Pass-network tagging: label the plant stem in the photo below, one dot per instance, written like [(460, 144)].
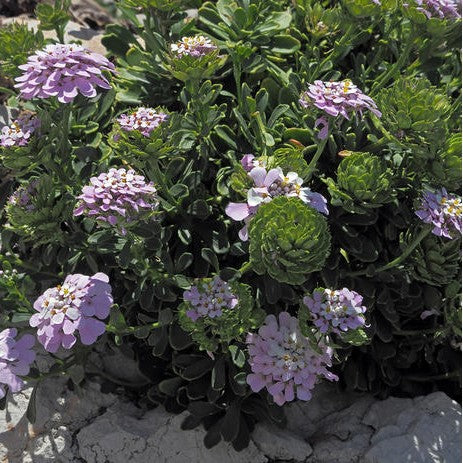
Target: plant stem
[(423, 379), (396, 67), (316, 157), (245, 268), (424, 232), (162, 183), (414, 332), (131, 329), (393, 263)]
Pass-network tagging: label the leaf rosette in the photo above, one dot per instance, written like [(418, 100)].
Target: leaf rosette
[(288, 240)]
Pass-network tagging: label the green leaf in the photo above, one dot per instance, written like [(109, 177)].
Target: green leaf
[(231, 423), (198, 369), (183, 262), (285, 44), (179, 191), (237, 355), (304, 136), (199, 208), (170, 386), (356, 337), (146, 297), (218, 375), (209, 256), (202, 409), (31, 412)]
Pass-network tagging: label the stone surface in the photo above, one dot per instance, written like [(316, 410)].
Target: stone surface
[(60, 413), (280, 444), (335, 427), (428, 430), (118, 437)]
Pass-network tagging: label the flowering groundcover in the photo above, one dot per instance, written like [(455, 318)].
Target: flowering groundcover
[(247, 197)]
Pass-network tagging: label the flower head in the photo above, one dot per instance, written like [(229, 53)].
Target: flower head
[(144, 120), (444, 9), (338, 98), (117, 198), (196, 46), (283, 362), (23, 196), (335, 310), (63, 71), (16, 357), (268, 185), (443, 211), (20, 131), (79, 304), (209, 299)]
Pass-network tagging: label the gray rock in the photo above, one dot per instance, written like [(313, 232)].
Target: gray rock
[(425, 430), (60, 412), (118, 436), (280, 444), (333, 428)]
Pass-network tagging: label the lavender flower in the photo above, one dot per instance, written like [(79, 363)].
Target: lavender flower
[(79, 304), (283, 362), (209, 299), (337, 311), (63, 71), (23, 196), (443, 211), (196, 46), (337, 98), (444, 9), (268, 185), (249, 161), (20, 131), (144, 120), (117, 198), (16, 357)]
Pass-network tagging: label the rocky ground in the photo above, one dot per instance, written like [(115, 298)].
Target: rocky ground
[(332, 428)]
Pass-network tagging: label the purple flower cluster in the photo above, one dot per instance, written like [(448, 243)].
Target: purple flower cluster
[(16, 357), (117, 198), (20, 131), (196, 46), (283, 362), (144, 120), (268, 185), (443, 211), (336, 310), (79, 304), (22, 197), (338, 98), (444, 9), (63, 71), (209, 299)]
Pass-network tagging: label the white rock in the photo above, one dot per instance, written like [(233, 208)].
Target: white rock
[(59, 413), (426, 431), (334, 428), (304, 417), (117, 437)]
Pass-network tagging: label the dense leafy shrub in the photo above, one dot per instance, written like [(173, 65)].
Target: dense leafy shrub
[(328, 130)]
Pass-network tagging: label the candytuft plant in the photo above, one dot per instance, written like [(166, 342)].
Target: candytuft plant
[(246, 197)]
